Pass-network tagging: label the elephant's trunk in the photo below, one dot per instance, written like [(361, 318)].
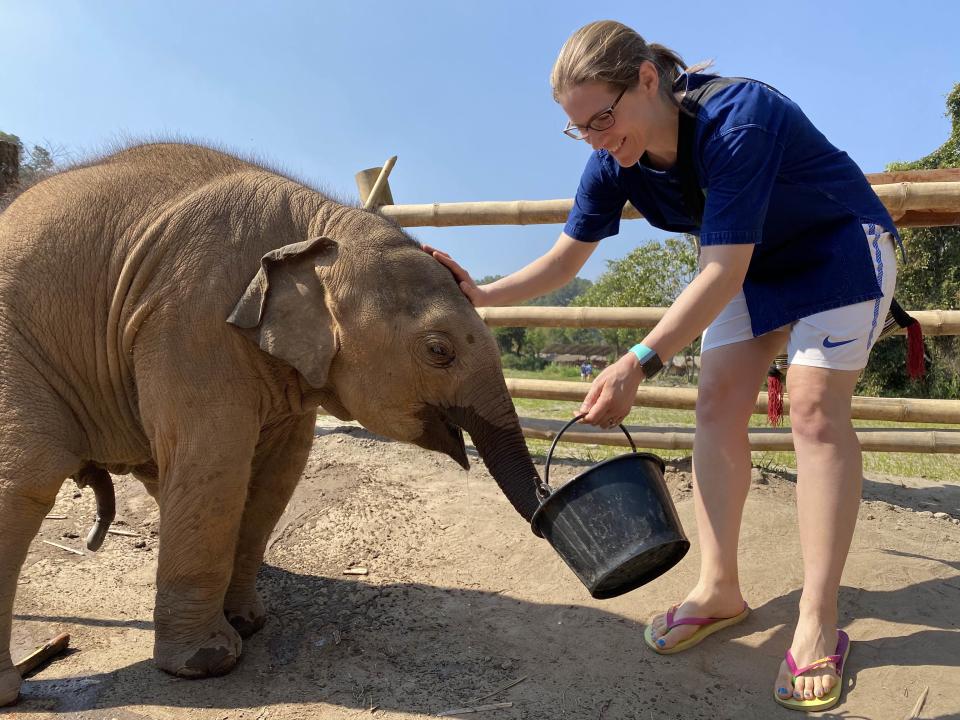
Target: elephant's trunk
[(503, 449)]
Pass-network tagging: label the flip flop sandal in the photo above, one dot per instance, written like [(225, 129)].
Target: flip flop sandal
[(708, 627), (838, 660)]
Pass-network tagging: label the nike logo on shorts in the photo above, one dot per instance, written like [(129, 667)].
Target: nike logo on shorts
[(827, 343)]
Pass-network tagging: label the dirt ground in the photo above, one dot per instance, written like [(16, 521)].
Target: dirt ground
[(461, 600)]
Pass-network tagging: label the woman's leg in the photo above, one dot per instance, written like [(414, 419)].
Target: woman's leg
[(829, 479), (730, 379)]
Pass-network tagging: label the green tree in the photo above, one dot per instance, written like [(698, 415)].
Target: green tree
[(36, 163), (929, 279), (521, 341), (653, 275), (562, 297)]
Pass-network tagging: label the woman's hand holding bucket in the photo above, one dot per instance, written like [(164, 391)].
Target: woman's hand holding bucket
[(611, 396)]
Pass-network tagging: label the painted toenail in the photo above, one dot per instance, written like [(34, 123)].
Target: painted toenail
[(661, 642), (782, 691)]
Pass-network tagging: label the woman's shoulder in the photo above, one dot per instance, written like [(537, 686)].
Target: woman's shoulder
[(725, 103)]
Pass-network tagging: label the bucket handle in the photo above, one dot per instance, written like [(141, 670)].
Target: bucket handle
[(544, 490)]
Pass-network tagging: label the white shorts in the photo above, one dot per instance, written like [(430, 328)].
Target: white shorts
[(838, 339)]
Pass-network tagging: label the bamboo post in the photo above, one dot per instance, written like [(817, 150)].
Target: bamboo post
[(373, 186), (9, 165)]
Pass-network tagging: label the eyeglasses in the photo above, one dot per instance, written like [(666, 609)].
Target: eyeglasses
[(603, 120)]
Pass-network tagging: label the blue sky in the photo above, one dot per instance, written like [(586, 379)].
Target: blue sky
[(459, 91)]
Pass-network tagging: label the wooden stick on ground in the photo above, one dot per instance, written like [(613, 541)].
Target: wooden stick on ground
[(63, 547), (500, 690), (51, 648), (478, 708), (915, 713), (124, 533)]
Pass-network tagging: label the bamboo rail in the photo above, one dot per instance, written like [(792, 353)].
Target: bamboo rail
[(863, 408), (677, 438), (933, 322), (921, 218), (937, 203)]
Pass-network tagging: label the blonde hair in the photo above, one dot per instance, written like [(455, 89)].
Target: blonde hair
[(608, 51)]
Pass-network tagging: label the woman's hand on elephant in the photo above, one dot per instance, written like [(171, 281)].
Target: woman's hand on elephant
[(612, 394), (468, 287)]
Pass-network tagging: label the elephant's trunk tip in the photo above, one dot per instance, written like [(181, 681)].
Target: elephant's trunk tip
[(99, 480)]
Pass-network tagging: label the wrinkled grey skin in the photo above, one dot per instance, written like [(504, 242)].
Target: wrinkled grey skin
[(179, 313)]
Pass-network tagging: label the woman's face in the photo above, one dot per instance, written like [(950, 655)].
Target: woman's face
[(634, 115)]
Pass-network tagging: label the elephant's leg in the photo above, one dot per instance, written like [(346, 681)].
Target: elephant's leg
[(204, 467), (29, 481), (278, 465)]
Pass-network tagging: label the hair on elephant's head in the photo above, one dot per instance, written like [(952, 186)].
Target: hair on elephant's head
[(383, 334)]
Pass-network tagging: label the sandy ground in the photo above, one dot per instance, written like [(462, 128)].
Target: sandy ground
[(462, 600)]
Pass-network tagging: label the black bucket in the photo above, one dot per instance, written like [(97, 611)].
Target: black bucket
[(614, 524)]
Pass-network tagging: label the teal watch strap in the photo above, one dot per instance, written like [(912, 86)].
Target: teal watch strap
[(642, 352), (650, 362)]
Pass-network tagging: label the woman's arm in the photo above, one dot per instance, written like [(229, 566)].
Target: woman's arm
[(722, 270), (558, 266)]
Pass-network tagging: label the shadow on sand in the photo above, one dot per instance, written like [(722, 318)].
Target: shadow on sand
[(422, 649)]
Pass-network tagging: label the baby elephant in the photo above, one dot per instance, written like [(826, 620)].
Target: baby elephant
[(181, 314)]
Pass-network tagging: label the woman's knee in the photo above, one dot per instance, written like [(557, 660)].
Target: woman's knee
[(812, 419), (721, 405), (819, 403)]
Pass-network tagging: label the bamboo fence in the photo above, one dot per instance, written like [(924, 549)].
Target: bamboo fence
[(917, 198)]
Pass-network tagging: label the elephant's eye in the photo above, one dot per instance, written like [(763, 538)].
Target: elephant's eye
[(438, 351)]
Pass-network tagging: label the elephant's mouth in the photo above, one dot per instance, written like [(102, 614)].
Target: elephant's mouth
[(441, 434)]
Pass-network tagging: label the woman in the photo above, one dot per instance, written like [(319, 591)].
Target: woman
[(795, 250)]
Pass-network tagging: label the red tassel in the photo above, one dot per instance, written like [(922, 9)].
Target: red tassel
[(916, 363), (774, 396)]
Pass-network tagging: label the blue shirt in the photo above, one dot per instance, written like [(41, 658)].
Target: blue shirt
[(771, 179)]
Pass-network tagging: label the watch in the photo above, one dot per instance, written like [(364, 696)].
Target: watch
[(650, 362)]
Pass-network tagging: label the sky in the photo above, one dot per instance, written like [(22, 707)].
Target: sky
[(457, 89)]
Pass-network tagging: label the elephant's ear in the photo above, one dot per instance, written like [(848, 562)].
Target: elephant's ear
[(284, 308)]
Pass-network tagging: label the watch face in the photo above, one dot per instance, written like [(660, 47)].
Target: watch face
[(651, 365)]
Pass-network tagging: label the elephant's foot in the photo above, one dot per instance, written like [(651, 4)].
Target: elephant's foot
[(245, 612), (9, 686), (216, 655)]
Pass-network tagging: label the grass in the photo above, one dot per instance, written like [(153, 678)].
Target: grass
[(934, 466)]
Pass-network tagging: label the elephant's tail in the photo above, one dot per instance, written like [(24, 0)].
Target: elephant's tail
[(102, 484)]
